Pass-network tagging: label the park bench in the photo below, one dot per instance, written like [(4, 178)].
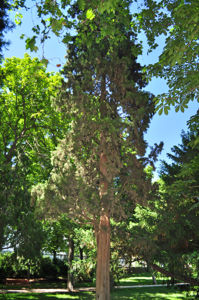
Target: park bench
[(16, 281)]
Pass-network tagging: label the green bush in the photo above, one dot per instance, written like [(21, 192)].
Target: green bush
[(62, 269), (6, 263), (84, 270), (19, 267), (48, 269)]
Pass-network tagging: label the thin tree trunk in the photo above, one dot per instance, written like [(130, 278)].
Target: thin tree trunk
[(150, 270), (81, 253), (54, 256), (103, 259), (154, 279), (70, 260), (28, 272)]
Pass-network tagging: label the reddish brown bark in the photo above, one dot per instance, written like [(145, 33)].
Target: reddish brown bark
[(103, 171), (103, 234), (103, 259), (103, 228)]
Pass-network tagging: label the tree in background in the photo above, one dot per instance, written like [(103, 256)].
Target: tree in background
[(59, 236), (98, 168), (55, 237), (167, 231), (85, 255), (29, 130), (181, 195)]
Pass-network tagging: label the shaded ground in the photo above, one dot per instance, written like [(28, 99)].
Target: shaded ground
[(83, 289), (134, 287), (47, 290), (159, 293)]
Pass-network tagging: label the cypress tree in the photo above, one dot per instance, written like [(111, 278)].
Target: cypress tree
[(98, 168)]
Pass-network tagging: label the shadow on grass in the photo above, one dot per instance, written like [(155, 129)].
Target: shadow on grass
[(25, 296), (159, 293), (149, 294), (37, 285), (46, 285)]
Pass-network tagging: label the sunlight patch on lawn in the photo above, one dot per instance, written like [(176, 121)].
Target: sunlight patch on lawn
[(171, 296), (144, 278), (83, 296)]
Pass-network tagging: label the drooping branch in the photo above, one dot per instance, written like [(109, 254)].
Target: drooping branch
[(182, 277)]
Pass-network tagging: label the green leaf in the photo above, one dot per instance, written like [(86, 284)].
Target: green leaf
[(44, 61), (90, 14), (18, 18), (166, 110), (66, 39), (57, 25), (177, 108), (182, 108), (31, 44)]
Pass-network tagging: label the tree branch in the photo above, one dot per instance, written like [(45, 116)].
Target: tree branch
[(182, 277)]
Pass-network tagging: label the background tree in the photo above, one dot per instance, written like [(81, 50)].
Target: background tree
[(85, 254), (166, 232), (56, 238), (181, 195), (30, 129), (59, 236), (98, 168)]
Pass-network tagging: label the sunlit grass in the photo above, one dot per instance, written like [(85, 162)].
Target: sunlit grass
[(158, 293), (141, 279), (83, 296), (142, 293)]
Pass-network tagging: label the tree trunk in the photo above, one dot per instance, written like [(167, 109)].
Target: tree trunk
[(28, 272), (150, 270), (70, 260), (103, 227), (81, 253), (54, 256), (103, 259), (154, 279)]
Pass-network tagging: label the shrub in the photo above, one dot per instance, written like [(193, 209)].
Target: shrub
[(6, 263), (48, 269), (62, 269), (19, 267), (84, 270)]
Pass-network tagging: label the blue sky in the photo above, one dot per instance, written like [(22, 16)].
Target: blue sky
[(162, 128)]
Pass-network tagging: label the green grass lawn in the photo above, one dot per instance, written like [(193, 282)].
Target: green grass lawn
[(134, 279), (144, 293), (159, 293), (83, 296), (141, 279)]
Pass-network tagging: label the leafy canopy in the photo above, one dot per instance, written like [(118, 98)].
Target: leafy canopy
[(178, 63), (29, 130)]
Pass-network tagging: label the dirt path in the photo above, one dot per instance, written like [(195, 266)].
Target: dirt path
[(86, 289)]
